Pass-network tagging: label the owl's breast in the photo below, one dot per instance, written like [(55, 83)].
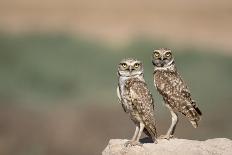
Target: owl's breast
[(159, 80), (163, 83)]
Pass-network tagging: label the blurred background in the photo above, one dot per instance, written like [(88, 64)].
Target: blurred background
[(58, 63)]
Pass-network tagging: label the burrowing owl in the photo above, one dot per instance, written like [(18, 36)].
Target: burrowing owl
[(175, 92), (136, 99)]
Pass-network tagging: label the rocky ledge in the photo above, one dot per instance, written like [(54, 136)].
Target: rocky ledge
[(217, 146)]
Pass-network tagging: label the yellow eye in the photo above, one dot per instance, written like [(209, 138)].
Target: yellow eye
[(124, 65), (157, 55), (168, 54), (137, 65)]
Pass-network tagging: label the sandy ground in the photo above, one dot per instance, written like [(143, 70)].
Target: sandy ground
[(195, 22)]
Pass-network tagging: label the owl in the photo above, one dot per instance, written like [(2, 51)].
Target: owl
[(136, 99), (174, 90)]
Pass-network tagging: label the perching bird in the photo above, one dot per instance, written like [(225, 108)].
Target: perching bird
[(136, 99), (174, 90)]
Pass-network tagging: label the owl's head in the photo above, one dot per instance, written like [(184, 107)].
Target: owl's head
[(130, 67), (162, 57)]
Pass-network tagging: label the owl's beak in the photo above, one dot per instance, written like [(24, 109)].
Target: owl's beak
[(131, 69), (159, 64)]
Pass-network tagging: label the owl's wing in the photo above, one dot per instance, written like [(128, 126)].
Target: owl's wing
[(143, 104), (141, 96), (173, 87), (186, 94), (178, 96)]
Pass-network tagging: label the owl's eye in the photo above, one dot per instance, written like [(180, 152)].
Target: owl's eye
[(157, 55), (168, 54), (124, 65), (137, 65)]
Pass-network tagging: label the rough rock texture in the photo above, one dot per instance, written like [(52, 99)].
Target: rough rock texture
[(217, 146)]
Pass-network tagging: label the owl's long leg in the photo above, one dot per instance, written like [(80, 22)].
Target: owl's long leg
[(140, 131), (135, 134), (172, 128)]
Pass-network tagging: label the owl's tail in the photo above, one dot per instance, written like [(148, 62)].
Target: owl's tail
[(193, 113), (150, 130)]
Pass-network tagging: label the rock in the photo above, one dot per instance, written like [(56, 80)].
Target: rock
[(217, 146)]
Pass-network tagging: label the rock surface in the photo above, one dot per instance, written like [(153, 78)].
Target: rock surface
[(217, 146)]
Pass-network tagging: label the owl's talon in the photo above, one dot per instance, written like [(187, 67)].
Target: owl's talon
[(132, 143), (166, 137)]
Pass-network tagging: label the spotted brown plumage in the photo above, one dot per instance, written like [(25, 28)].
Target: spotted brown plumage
[(142, 104), (136, 99), (174, 90)]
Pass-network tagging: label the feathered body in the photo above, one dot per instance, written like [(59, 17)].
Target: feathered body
[(136, 99), (176, 94), (174, 90)]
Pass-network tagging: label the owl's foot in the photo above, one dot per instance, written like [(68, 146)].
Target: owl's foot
[(155, 141), (132, 143), (166, 136)]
